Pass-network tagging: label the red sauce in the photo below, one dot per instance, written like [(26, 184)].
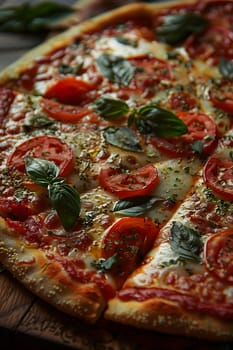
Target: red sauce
[(88, 276), (188, 302)]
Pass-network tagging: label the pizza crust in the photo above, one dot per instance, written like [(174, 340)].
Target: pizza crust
[(130, 11), (167, 317), (48, 280)]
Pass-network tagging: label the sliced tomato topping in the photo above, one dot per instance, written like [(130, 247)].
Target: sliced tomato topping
[(218, 175), (16, 210), (44, 147), (139, 182), (6, 98), (149, 71), (222, 97), (62, 112), (182, 101), (128, 239), (215, 42), (70, 91), (201, 127), (218, 255)]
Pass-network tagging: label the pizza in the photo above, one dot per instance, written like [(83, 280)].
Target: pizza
[(116, 168)]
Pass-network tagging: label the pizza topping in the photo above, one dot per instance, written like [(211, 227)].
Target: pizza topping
[(64, 198), (122, 137), (48, 147), (226, 68), (187, 301), (215, 42), (63, 112), (70, 91), (115, 68), (221, 96), (6, 99), (139, 182), (218, 175), (111, 107), (201, 136), (153, 120), (218, 255), (185, 242), (136, 206), (128, 240), (182, 101), (177, 27), (149, 119)]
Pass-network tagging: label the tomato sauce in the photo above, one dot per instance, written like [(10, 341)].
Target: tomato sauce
[(186, 301)]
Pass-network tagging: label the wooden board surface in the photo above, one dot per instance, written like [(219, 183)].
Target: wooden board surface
[(27, 320)]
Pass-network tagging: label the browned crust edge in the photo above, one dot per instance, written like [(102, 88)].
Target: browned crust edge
[(48, 280), (119, 14), (167, 317)]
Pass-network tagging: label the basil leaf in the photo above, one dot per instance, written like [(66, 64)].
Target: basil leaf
[(66, 201), (122, 137), (31, 18), (36, 121), (177, 27), (41, 171), (157, 121), (115, 68), (110, 107), (226, 68), (197, 146), (135, 207), (185, 241), (126, 41), (105, 264)]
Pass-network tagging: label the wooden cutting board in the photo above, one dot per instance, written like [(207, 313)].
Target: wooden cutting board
[(27, 321)]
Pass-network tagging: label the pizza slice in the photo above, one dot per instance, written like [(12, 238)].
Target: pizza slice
[(104, 130), (184, 285)]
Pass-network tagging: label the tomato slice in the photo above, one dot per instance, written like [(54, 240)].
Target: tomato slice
[(139, 182), (70, 91), (6, 98), (129, 239), (148, 72), (215, 42), (201, 127), (218, 255), (62, 112), (222, 97), (218, 175), (45, 147), (182, 101)]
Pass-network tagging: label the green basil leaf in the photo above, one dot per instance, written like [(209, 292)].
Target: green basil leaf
[(109, 107), (36, 121), (66, 201), (41, 171), (32, 18), (126, 41), (226, 68), (2, 268), (154, 120), (177, 27), (105, 264), (66, 69), (136, 207), (197, 146), (115, 68), (185, 241), (122, 137)]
